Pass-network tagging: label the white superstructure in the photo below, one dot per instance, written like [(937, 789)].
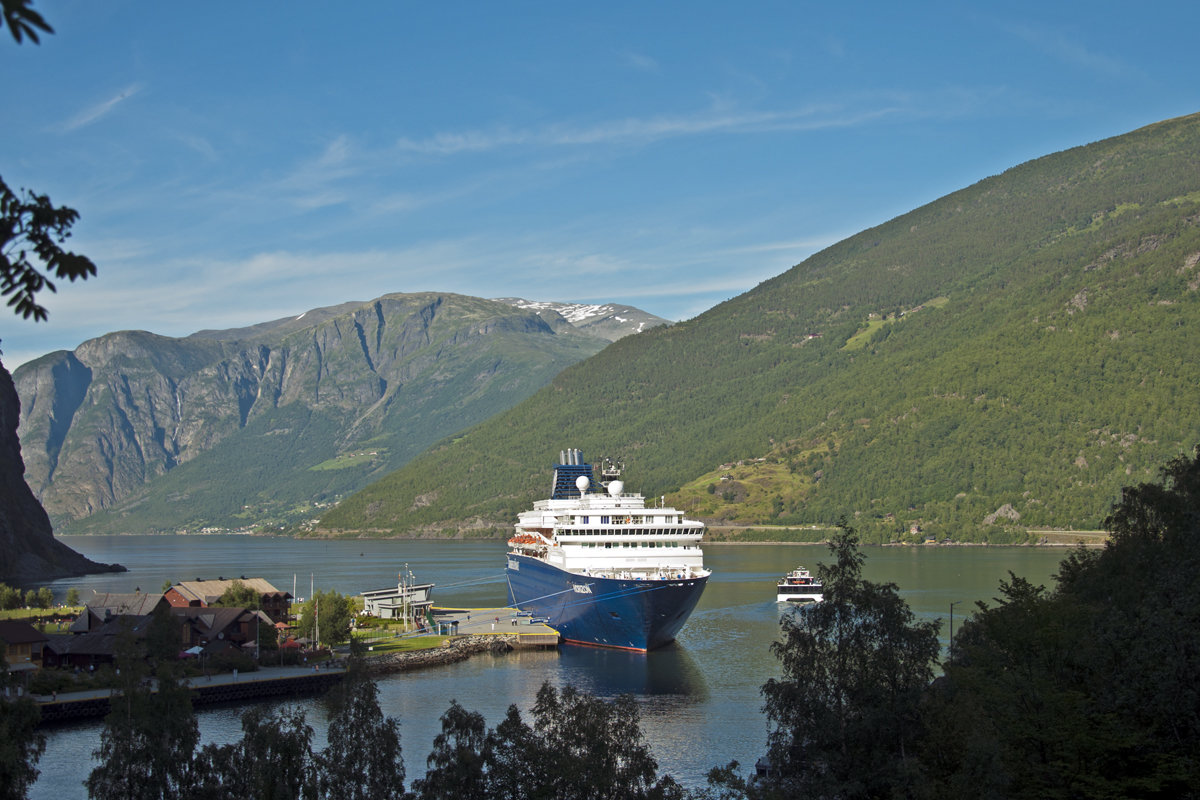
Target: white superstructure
[(611, 534)]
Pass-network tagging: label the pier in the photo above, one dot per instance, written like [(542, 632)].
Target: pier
[(220, 688), (530, 631)]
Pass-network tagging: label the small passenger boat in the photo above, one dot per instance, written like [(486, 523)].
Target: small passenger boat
[(799, 586)]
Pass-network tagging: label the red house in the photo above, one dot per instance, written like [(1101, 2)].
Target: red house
[(202, 594)]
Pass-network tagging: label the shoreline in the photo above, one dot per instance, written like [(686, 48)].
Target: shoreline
[(1064, 538), (274, 682)]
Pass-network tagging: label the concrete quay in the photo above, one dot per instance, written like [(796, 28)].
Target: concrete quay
[(219, 688)]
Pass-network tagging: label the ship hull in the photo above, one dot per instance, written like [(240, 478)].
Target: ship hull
[(608, 612)]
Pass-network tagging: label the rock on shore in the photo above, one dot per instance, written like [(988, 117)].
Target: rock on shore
[(450, 651)]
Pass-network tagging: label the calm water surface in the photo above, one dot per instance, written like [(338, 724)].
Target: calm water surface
[(699, 697)]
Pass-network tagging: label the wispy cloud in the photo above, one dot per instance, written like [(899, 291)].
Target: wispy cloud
[(101, 110), (312, 184), (805, 245), (1069, 51), (640, 62), (200, 145), (642, 130)]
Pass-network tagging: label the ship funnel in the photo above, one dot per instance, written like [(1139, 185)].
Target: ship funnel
[(562, 456)]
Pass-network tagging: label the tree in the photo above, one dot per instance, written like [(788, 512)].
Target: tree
[(21, 744), (149, 737), (1087, 690), (362, 759), (455, 767), (44, 598), (592, 748), (29, 221), (272, 761), (239, 595), (511, 752), (844, 717), (72, 597), (579, 746), (23, 21), (332, 611), (32, 231), (10, 597)]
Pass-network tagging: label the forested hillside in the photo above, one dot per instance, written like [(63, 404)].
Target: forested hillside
[(1004, 358), (134, 431)]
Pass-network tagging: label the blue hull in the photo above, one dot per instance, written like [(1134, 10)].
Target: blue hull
[(610, 612)]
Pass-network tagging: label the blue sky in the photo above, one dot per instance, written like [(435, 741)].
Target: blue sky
[(235, 163)]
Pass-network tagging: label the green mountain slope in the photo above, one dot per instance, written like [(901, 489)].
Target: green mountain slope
[(1006, 357), (134, 431)]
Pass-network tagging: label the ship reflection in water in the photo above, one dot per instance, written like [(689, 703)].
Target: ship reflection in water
[(607, 672)]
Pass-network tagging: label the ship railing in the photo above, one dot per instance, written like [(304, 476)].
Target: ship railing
[(661, 574)]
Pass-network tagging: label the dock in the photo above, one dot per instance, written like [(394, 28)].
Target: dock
[(530, 631), (218, 688)]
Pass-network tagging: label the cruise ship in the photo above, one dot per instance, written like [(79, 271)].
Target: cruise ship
[(601, 567)]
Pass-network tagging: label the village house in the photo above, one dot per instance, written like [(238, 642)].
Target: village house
[(89, 648), (275, 604), (93, 637), (23, 646), (217, 629), (104, 606)]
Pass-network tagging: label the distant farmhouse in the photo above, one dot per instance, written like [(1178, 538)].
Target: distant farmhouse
[(202, 594)]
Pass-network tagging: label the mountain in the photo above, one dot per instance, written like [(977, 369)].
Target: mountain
[(606, 320), (135, 431), (31, 553), (1004, 358)]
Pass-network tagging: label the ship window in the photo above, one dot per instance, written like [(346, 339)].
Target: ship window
[(604, 520), (585, 520)]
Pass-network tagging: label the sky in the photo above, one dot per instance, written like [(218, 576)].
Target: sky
[(243, 162)]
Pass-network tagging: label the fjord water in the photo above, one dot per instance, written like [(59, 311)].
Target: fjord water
[(699, 698)]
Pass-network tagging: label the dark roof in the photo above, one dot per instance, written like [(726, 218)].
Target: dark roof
[(123, 603), (16, 632), (81, 644), (214, 619)]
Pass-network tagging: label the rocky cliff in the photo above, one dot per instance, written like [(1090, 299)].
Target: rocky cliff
[(29, 553), (270, 422)]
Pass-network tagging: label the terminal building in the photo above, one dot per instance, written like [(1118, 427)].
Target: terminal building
[(406, 600)]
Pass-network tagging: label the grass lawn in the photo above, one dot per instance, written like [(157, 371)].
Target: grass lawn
[(401, 645), (37, 616)]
